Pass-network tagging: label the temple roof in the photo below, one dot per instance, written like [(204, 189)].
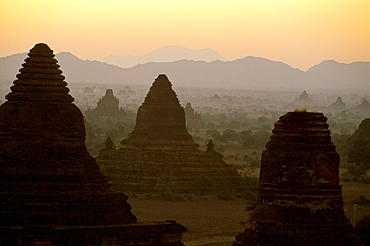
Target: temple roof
[(40, 79), (161, 93)]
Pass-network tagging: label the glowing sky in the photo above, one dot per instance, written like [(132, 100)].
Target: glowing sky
[(300, 33)]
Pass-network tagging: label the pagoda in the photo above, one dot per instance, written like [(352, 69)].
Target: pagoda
[(193, 119), (160, 150), (299, 197), (51, 190), (107, 111)]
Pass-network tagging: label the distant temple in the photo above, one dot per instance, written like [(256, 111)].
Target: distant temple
[(362, 133), (107, 110), (363, 107), (299, 197), (52, 192), (193, 119), (338, 106), (160, 147), (303, 100)]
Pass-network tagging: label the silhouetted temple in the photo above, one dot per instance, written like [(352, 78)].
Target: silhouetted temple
[(338, 106), (362, 133), (161, 147), (303, 100), (107, 110), (364, 106), (51, 189), (299, 197), (193, 119)]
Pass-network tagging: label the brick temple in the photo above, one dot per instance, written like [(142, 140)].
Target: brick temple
[(160, 150), (107, 111), (51, 190), (299, 197), (193, 119)]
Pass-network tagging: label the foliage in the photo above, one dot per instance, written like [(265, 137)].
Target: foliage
[(214, 134), (250, 195), (250, 182), (365, 179), (257, 139), (203, 183), (340, 140), (360, 153), (362, 200), (362, 229), (113, 133), (355, 170), (227, 195)]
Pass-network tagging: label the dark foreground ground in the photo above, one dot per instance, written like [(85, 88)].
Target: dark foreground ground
[(211, 221)]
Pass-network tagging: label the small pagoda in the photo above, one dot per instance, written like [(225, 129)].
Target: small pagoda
[(193, 119), (160, 150), (107, 111), (299, 197), (52, 192)]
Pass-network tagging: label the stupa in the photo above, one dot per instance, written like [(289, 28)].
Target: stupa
[(362, 133), (363, 107), (338, 106), (303, 100), (193, 119), (299, 197), (161, 151), (107, 111), (51, 190)]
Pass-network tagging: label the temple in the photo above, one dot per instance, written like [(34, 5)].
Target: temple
[(303, 100), (52, 191), (363, 107), (193, 119), (361, 134), (338, 106), (107, 111), (299, 197), (160, 149)]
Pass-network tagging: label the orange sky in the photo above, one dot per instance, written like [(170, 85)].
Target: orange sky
[(300, 33)]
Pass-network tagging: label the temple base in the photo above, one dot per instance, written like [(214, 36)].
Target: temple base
[(167, 233)]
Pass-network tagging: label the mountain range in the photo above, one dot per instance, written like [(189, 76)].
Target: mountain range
[(247, 73), (165, 54)]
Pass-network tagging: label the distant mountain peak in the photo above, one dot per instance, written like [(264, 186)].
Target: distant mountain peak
[(169, 53), (66, 54)]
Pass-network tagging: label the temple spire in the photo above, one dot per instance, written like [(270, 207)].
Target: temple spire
[(40, 79)]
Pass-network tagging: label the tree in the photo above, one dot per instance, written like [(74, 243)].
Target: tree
[(362, 229), (360, 153), (112, 133), (261, 137), (247, 139), (227, 135), (203, 183), (214, 134)]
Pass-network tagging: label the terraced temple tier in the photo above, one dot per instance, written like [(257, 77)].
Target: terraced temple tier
[(299, 197), (107, 111), (160, 148), (51, 190), (160, 119)]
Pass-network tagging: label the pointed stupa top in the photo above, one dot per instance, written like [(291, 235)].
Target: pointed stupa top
[(364, 104), (339, 103), (40, 78), (161, 93), (108, 102), (160, 119)]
